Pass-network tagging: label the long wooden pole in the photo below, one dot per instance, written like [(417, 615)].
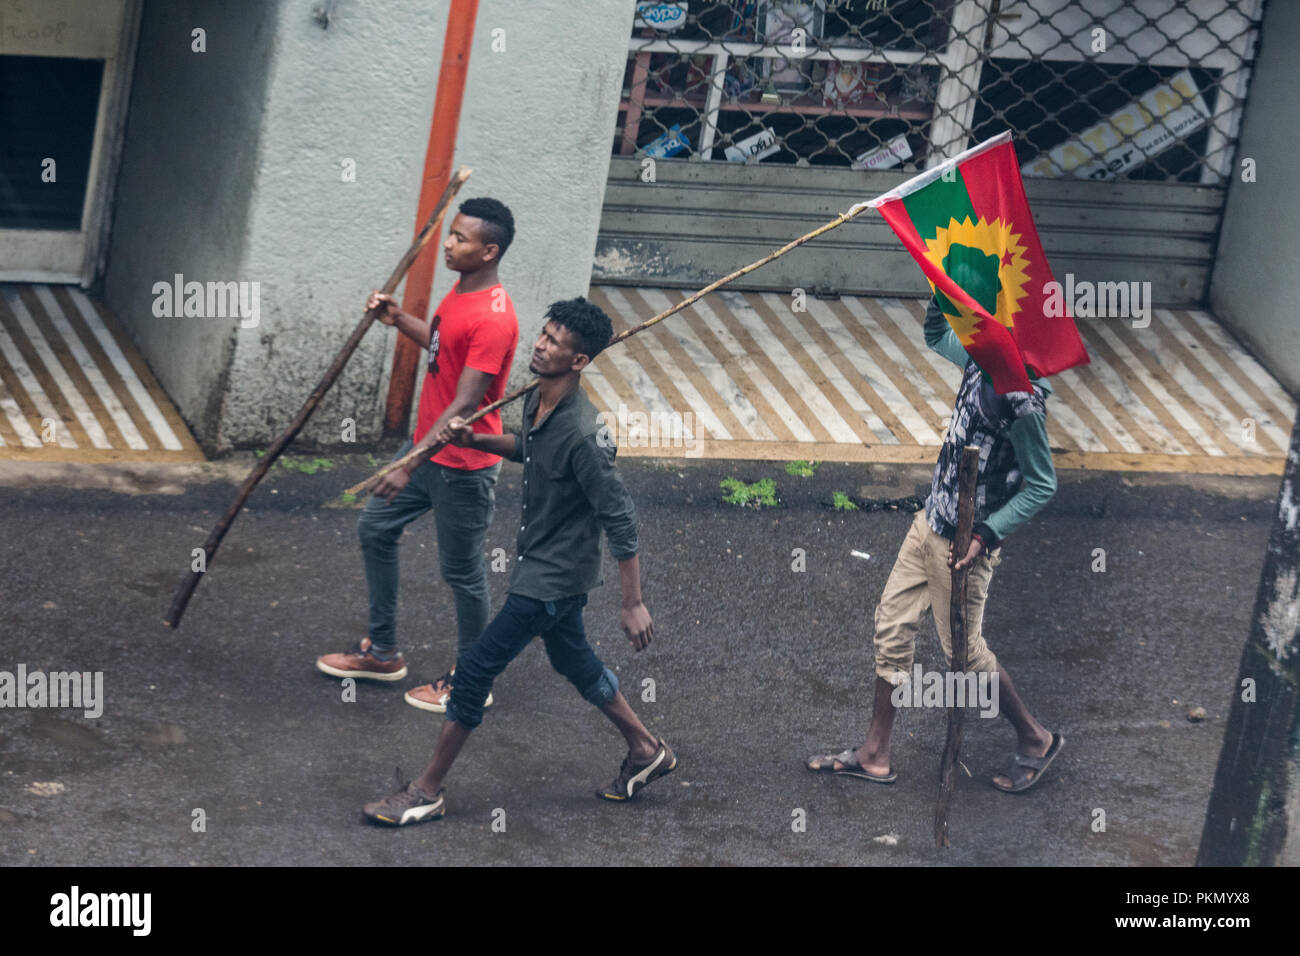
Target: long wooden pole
[(429, 446), (431, 228), (967, 474)]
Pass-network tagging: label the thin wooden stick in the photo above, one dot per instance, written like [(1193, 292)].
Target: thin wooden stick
[(967, 476), (430, 229), (428, 446)]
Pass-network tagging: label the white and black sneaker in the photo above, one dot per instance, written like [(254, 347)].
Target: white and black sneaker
[(409, 805), (633, 776)]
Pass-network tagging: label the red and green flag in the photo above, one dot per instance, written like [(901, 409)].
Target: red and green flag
[(967, 224)]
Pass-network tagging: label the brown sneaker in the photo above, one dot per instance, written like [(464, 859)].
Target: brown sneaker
[(359, 662), (632, 777), (433, 697), (409, 805)]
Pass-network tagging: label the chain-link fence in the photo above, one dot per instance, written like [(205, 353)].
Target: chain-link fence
[(1096, 89)]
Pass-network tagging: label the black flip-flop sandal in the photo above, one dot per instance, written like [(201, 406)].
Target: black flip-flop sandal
[(851, 767), (1019, 763)]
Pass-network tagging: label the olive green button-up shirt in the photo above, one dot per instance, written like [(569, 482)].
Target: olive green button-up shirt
[(571, 491)]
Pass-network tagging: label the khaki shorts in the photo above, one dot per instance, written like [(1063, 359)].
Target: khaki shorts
[(922, 579)]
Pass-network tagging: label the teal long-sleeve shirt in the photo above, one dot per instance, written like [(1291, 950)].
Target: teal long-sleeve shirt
[(982, 416)]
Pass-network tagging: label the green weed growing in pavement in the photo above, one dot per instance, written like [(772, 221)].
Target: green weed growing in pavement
[(842, 502), (761, 493), (305, 465), (371, 459), (308, 466), (801, 469)]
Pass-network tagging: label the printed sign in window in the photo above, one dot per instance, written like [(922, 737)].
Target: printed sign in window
[(1131, 135)]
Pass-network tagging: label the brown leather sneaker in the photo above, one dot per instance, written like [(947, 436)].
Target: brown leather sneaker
[(359, 662), (433, 697)]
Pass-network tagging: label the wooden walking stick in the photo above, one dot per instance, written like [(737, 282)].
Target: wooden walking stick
[(429, 446), (430, 229), (967, 474)]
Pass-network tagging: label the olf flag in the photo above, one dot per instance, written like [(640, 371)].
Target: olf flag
[(967, 224)]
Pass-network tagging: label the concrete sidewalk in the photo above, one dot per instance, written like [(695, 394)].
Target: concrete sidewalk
[(755, 666)]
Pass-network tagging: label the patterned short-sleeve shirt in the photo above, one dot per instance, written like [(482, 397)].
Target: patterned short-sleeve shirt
[(983, 418)]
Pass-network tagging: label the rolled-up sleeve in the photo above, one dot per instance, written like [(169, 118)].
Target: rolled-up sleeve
[(593, 467)]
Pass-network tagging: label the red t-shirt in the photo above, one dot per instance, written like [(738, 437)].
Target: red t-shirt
[(471, 333)]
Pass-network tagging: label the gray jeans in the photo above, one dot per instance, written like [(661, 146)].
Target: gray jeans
[(463, 503)]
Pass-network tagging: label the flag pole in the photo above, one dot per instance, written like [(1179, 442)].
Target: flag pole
[(923, 179), (429, 446), (967, 476)]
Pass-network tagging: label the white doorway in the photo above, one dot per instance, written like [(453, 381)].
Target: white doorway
[(64, 76)]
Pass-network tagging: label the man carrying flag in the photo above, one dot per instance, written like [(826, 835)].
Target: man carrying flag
[(968, 225)]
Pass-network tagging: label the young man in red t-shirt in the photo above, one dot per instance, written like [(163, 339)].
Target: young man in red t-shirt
[(471, 343)]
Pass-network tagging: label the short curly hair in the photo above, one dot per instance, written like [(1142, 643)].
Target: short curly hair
[(590, 327), (498, 223)]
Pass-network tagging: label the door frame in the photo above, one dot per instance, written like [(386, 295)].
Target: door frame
[(84, 252)]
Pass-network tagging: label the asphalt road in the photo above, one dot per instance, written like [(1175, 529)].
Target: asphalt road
[(755, 666)]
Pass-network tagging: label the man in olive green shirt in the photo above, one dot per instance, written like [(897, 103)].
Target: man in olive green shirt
[(571, 492)]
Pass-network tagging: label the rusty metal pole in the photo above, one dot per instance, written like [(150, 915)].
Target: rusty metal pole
[(1254, 813)]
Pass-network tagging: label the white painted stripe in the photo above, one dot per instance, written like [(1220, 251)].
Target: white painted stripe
[(608, 396), (1158, 391), (1264, 420), (137, 389), (1158, 339), (833, 374), (722, 383), (1118, 390), (33, 386), (914, 329), (641, 384), (1068, 419), (1083, 392), (902, 364), (14, 413), (89, 369), (876, 379), (703, 413), (770, 391), (790, 369), (1254, 371)]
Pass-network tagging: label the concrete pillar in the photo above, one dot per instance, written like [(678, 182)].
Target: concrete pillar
[(235, 169), (1254, 813), (1255, 285)]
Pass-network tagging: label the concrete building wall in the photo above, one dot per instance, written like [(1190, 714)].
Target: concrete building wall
[(233, 171), (361, 91), (183, 193), (1256, 284), (536, 125), (537, 128)]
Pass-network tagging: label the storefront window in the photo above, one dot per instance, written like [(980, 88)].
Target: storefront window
[(879, 84)]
